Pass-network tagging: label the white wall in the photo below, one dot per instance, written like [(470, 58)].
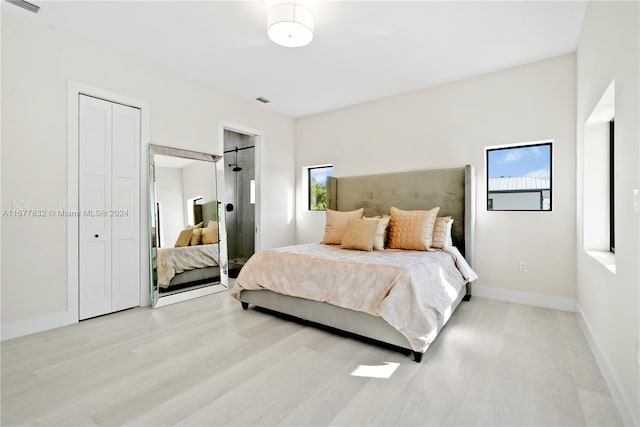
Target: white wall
[(169, 195), (609, 303), (450, 125), (198, 179), (37, 62)]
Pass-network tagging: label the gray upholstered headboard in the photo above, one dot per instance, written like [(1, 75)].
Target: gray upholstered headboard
[(451, 189)]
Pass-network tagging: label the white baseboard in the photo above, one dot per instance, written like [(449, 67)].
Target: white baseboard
[(519, 297), (37, 324), (609, 374)]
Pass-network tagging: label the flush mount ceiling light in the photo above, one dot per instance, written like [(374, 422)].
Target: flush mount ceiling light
[(290, 24)]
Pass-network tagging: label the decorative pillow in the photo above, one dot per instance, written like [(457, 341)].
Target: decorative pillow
[(449, 239), (440, 232), (210, 234), (381, 232), (184, 238), (337, 224), (360, 234), (412, 229), (196, 236)]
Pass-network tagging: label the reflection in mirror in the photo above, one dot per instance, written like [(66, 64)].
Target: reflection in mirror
[(184, 231)]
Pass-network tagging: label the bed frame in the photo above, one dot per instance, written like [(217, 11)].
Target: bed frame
[(194, 277), (452, 189)]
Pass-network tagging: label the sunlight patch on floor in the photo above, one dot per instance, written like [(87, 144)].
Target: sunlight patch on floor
[(376, 371)]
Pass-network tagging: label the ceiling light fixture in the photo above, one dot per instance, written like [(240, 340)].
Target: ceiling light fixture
[(290, 24)]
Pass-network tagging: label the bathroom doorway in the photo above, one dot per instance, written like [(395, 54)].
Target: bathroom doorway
[(240, 197)]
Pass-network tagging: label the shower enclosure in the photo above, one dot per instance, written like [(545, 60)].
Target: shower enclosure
[(239, 158)]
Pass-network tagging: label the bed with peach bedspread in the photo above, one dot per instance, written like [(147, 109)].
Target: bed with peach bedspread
[(397, 297)]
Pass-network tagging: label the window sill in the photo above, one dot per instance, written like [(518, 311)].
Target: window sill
[(605, 258)]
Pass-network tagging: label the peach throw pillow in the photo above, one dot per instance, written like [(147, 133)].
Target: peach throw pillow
[(337, 225), (412, 229), (359, 234), (440, 230)]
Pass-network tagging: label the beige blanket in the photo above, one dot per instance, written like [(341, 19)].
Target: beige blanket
[(411, 290), (172, 261)]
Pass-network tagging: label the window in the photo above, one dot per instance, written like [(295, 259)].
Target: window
[(317, 180), (598, 196), (519, 178), (194, 210)]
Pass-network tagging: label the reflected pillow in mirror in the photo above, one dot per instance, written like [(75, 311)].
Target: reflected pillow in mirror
[(196, 236), (184, 238), (210, 234)]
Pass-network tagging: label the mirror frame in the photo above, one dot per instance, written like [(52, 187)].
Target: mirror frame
[(156, 300)]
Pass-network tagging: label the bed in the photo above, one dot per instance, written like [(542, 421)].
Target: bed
[(187, 264), (407, 324)]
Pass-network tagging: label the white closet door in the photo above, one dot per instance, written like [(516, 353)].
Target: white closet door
[(95, 134), (109, 143), (125, 206)]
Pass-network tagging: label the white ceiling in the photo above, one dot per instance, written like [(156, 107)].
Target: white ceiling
[(361, 50)]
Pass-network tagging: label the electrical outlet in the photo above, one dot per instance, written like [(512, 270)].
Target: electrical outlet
[(638, 354), (523, 267), (635, 199)]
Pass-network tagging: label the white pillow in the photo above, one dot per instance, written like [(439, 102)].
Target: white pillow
[(382, 231), (449, 240)]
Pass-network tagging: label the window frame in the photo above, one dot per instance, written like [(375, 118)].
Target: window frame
[(309, 197), (489, 201), (612, 204)]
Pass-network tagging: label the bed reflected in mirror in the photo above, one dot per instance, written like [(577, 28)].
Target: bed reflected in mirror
[(185, 256)]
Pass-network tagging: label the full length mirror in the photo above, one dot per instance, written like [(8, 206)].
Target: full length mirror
[(184, 211)]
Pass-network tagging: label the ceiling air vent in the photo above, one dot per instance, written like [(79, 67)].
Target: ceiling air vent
[(263, 100), (25, 5)]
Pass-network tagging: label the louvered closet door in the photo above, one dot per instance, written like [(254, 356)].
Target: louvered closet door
[(109, 140)]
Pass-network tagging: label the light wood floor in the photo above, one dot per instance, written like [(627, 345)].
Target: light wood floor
[(207, 362)]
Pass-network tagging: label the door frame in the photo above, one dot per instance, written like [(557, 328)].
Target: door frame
[(74, 90), (259, 144)]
